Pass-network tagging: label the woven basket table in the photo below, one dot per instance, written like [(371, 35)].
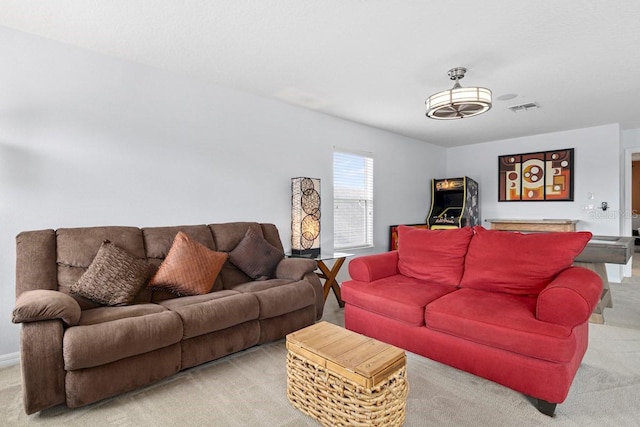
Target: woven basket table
[(342, 378)]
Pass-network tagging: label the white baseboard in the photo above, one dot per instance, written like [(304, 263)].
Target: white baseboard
[(9, 359)]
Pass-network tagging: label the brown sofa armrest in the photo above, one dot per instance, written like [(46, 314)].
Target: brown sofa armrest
[(41, 304), (42, 365), (294, 268)]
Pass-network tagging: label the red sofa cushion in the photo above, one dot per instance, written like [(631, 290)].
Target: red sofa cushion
[(398, 297), (501, 321), (435, 256), (518, 263)]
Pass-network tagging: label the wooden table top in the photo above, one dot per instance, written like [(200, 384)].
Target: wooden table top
[(608, 249), (535, 221), (533, 225), (361, 359)]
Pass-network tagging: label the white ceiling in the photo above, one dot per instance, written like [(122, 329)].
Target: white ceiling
[(375, 62)]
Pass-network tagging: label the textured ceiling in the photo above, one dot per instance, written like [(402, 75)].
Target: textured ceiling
[(375, 62)]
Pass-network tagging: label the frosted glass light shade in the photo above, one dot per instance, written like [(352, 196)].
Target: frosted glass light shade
[(458, 103)]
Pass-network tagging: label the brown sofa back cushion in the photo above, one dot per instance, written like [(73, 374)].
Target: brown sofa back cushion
[(56, 259), (158, 240), (114, 277), (228, 236), (256, 257), (77, 247), (36, 266)]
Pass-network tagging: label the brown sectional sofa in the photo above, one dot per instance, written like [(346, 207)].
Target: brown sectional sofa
[(76, 352)]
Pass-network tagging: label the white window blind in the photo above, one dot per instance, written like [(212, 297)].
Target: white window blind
[(352, 200)]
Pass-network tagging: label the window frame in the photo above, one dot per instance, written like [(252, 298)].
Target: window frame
[(366, 195)]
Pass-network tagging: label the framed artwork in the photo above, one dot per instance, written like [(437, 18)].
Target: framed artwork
[(536, 177), (393, 234)]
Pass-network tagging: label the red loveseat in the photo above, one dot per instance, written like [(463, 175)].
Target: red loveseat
[(505, 306)]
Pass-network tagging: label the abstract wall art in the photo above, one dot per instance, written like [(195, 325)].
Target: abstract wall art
[(534, 177)]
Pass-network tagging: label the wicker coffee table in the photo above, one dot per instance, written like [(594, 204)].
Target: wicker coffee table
[(342, 378)]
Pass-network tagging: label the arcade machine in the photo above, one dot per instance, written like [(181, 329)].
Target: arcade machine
[(454, 203)]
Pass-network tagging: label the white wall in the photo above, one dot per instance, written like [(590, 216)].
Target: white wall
[(631, 138), (597, 170), (89, 140)]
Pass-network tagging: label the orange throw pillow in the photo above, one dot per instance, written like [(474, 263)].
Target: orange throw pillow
[(190, 268)]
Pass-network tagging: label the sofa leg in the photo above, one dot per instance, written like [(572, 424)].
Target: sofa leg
[(545, 407)]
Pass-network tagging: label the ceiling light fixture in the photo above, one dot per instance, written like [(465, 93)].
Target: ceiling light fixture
[(458, 102)]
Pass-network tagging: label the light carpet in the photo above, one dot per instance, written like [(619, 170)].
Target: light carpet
[(249, 389)]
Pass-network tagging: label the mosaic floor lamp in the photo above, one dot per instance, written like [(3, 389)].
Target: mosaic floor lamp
[(305, 217)]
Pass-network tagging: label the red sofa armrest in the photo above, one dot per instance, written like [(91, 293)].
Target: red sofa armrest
[(570, 298), (373, 267)]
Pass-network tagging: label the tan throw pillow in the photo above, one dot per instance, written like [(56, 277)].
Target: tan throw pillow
[(190, 268), (256, 257), (114, 277)]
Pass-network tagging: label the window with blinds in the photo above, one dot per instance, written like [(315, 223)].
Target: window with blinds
[(352, 200)]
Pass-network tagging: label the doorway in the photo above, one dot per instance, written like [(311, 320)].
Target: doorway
[(631, 217), (635, 193)]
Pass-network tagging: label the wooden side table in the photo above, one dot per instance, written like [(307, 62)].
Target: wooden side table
[(329, 274)]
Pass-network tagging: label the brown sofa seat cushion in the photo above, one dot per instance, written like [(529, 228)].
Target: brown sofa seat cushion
[(202, 314), (97, 315), (261, 285), (279, 296), (294, 268), (94, 345)]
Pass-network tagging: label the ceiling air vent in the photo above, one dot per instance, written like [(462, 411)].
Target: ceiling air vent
[(524, 107)]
